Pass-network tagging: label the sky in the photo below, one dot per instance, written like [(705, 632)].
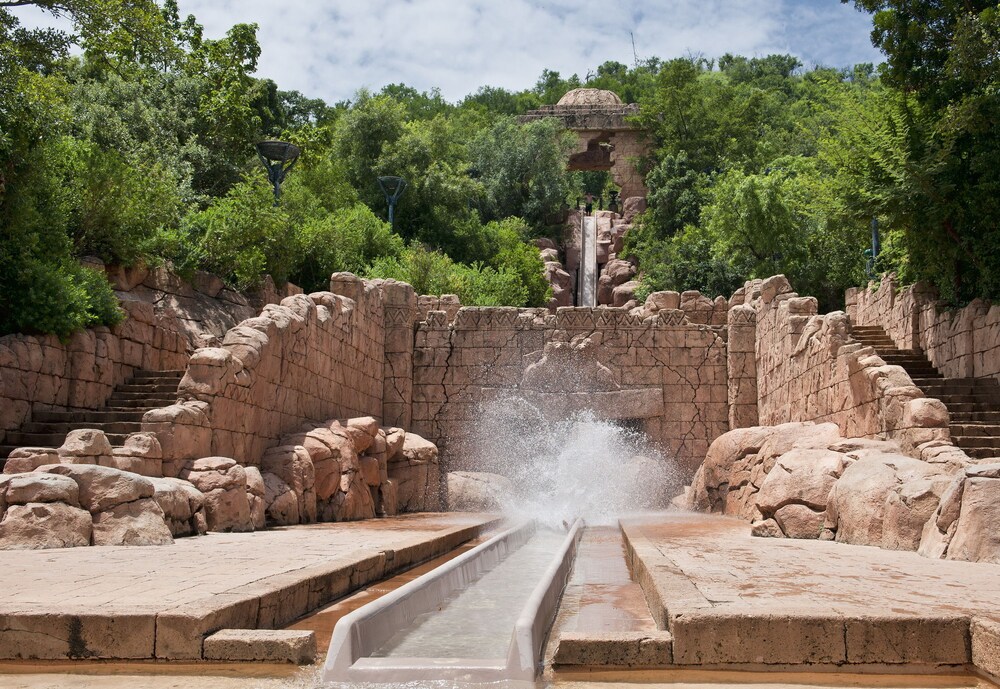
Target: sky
[(329, 49)]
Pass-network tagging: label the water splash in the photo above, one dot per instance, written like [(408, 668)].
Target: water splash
[(580, 466)]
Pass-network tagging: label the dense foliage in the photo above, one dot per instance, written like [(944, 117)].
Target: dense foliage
[(140, 148)]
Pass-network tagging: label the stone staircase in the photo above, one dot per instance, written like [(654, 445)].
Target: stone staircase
[(120, 415), (973, 403)]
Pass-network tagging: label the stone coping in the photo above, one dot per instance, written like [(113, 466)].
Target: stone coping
[(732, 601), (160, 603)]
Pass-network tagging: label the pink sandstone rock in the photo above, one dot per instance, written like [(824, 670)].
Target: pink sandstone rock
[(45, 525), (801, 476), (859, 502), (25, 459), (102, 488), (624, 293), (21, 489), (82, 446), (136, 523), (799, 521), (255, 495), (182, 505), (281, 501), (224, 485), (477, 491), (292, 464)]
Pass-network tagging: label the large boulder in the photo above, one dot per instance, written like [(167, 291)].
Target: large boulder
[(281, 502), (103, 488), (417, 475), (21, 489), (256, 493), (801, 476), (966, 523), (293, 465), (182, 504), (45, 525), (85, 446), (478, 491), (885, 499), (223, 483), (140, 522)]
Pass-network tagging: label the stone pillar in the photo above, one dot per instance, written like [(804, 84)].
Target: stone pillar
[(401, 315), (741, 361)]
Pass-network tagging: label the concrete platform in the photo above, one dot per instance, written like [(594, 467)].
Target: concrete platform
[(161, 602), (733, 601)]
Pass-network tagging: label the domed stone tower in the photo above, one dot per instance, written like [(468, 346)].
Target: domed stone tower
[(578, 97), (607, 140)]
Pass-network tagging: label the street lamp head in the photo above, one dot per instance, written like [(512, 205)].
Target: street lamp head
[(277, 157)]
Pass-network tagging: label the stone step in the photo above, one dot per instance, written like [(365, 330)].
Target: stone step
[(976, 430), (65, 427), (20, 439), (174, 382), (132, 405), (132, 414), (982, 452), (155, 397), (987, 399), (4, 451), (977, 442), (158, 374), (954, 407), (147, 388), (961, 417)]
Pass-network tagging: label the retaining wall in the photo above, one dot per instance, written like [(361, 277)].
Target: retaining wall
[(669, 373), (808, 368), (961, 343), (166, 319), (310, 358)]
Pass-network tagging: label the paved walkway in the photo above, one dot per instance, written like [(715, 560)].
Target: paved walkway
[(730, 599), (117, 602)]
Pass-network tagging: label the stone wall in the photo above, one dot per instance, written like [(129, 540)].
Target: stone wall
[(166, 319), (809, 369), (961, 343), (666, 372), (311, 357)]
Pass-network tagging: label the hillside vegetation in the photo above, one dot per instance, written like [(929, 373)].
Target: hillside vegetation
[(141, 148)]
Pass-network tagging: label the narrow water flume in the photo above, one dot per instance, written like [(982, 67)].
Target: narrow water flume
[(480, 617)]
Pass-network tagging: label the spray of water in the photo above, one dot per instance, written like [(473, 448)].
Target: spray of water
[(580, 466)]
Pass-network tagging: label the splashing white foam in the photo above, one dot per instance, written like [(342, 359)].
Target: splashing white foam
[(576, 467)]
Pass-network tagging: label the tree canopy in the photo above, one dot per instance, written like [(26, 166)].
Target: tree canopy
[(139, 146)]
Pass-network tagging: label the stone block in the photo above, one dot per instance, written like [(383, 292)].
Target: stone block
[(262, 645), (43, 636), (896, 640), (756, 637), (615, 649), (180, 632), (986, 645)]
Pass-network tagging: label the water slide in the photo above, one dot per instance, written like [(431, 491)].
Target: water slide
[(480, 617), (587, 289)]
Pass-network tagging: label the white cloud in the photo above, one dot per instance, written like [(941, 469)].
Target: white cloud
[(330, 49)]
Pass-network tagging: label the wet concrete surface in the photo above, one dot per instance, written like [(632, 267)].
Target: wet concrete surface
[(600, 596)]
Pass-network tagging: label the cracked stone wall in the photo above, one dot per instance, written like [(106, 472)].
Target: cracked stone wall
[(808, 368), (961, 343), (458, 360)]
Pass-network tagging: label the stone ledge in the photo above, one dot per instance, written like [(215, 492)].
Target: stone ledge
[(262, 645), (986, 647), (615, 649)]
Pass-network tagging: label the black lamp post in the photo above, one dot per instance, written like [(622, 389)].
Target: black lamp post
[(277, 157), (393, 188), (872, 253)]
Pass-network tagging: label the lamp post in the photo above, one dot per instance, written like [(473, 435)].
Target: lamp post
[(872, 253), (393, 188), (277, 157)]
